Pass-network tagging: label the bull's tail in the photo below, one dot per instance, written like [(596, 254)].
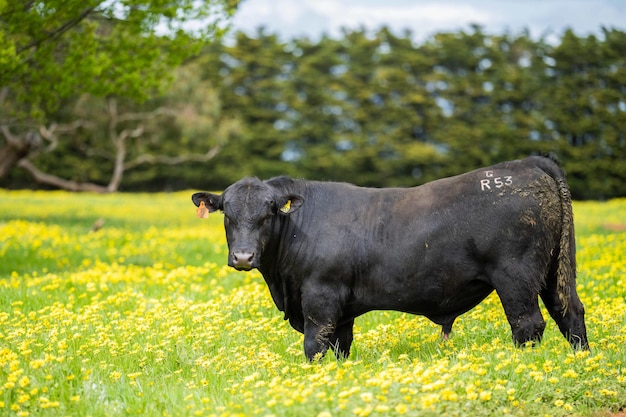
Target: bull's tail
[(566, 261)]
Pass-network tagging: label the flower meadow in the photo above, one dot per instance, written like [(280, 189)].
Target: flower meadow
[(143, 317)]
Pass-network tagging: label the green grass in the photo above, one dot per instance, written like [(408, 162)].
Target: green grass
[(143, 318)]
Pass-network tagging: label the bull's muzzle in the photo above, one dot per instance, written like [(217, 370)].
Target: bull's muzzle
[(242, 260)]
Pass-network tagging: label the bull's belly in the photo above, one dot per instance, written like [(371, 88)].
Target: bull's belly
[(433, 304)]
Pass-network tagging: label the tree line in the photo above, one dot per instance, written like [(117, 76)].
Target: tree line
[(380, 110), (372, 108)]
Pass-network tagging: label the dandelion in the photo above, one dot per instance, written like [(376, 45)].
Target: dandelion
[(44, 402), (24, 381), (548, 366), (429, 400), (367, 397), (570, 373), (608, 393), (362, 412), (480, 371), (510, 394), (485, 395), (449, 395), (115, 375), (37, 363)]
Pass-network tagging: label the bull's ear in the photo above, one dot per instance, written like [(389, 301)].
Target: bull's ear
[(212, 201), (287, 204)]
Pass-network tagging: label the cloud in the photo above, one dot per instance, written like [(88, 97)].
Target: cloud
[(328, 16), (424, 17)]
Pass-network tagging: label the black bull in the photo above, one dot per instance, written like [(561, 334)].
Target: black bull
[(330, 252)]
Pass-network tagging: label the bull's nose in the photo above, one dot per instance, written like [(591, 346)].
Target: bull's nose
[(243, 260)]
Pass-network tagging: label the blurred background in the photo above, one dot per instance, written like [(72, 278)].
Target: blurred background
[(146, 95)]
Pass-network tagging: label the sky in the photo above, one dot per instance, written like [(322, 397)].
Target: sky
[(543, 18)]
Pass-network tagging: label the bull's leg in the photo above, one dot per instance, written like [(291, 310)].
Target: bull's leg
[(521, 306), (571, 322), (317, 337), (341, 340), (321, 313)]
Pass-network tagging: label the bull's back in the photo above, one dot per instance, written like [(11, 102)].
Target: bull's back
[(423, 243), (488, 203)]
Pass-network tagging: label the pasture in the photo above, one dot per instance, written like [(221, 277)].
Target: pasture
[(143, 317)]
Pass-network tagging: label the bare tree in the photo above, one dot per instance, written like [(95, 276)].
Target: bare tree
[(122, 129)]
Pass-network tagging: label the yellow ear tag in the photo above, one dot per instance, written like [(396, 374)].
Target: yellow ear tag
[(202, 212), (286, 207)]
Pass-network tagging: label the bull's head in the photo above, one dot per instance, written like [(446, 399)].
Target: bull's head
[(250, 208)]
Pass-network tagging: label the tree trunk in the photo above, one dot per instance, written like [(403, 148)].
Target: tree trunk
[(15, 148), (10, 155)]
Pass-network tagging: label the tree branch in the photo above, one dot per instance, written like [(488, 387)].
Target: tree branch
[(43, 178), (55, 34), (29, 140), (120, 156), (10, 138), (172, 160), (52, 133), (128, 117)]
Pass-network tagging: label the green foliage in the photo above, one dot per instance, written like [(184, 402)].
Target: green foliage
[(379, 110), (58, 48)]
